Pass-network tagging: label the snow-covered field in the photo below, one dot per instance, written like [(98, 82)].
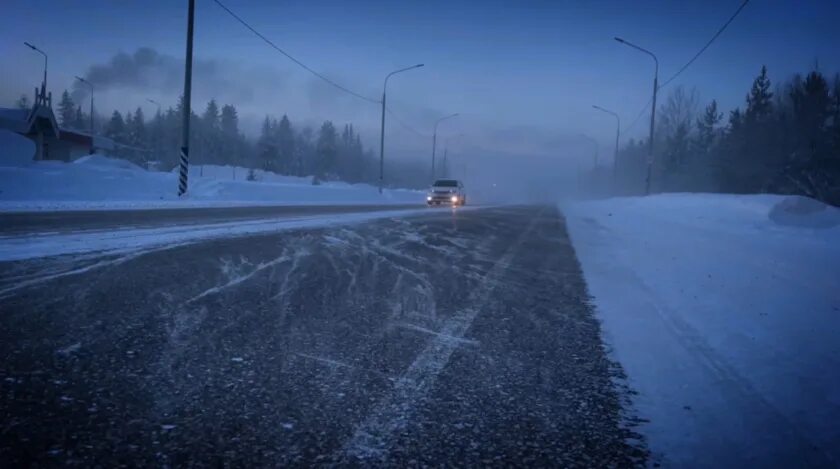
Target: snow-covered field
[(99, 182), (725, 313)]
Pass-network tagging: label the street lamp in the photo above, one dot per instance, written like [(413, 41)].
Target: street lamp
[(157, 124), (155, 103), (434, 141), (445, 150), (652, 109), (44, 84), (382, 130), (91, 110), (617, 133)]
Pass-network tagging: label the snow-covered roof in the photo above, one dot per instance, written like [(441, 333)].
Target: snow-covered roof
[(14, 114), (16, 120)]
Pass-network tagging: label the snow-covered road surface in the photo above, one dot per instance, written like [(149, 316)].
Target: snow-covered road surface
[(444, 338), (32, 235), (725, 313)]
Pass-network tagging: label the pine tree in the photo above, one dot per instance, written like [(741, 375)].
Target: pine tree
[(209, 130), (835, 132), (759, 99), (66, 110), (267, 146), (229, 121), (232, 144), (115, 129), (326, 151), (285, 146), (23, 102), (79, 120), (137, 132), (812, 109), (305, 152), (707, 128)]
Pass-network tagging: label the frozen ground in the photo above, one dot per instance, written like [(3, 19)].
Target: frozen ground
[(725, 313), (99, 182)]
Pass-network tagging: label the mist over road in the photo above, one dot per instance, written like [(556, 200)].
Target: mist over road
[(450, 336)]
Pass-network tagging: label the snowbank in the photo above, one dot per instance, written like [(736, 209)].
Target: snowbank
[(100, 182), (15, 150), (725, 313)]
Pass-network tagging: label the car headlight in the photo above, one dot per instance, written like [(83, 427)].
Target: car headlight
[(428, 198), (454, 198)]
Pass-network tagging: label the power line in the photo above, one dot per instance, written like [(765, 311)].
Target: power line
[(688, 64), (298, 62), (718, 33), (638, 116), (404, 125)]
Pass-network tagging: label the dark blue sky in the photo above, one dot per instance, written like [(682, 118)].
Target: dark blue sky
[(522, 74)]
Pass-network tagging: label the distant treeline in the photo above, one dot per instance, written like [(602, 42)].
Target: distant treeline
[(326, 153), (786, 139)]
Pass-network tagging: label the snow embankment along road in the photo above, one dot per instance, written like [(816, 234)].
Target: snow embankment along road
[(133, 240), (725, 313), (98, 182)]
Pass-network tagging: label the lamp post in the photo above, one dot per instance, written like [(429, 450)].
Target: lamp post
[(594, 146), (155, 103), (44, 83), (434, 141), (91, 110), (617, 134), (157, 130), (382, 129), (445, 151), (652, 108)]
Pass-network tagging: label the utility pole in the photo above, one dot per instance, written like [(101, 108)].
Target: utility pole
[(617, 134), (445, 149), (382, 129), (185, 138), (445, 167), (652, 109), (92, 145), (157, 128), (434, 141), (43, 83)]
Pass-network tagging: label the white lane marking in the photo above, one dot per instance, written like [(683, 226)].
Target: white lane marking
[(372, 438)]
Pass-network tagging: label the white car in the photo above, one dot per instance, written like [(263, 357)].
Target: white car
[(447, 192)]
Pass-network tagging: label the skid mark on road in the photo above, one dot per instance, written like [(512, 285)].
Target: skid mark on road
[(372, 438), (52, 272), (239, 278), (439, 335)]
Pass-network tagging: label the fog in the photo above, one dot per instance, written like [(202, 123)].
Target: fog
[(522, 78), (499, 163)]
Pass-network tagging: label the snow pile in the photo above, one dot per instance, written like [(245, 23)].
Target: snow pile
[(104, 163), (805, 212), (15, 150), (725, 313), (100, 182)]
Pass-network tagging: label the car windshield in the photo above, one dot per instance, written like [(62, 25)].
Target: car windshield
[(446, 183)]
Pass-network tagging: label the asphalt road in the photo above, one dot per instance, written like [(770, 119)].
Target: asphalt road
[(450, 338), (16, 223)]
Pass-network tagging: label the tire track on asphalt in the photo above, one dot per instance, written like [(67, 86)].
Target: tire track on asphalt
[(372, 438)]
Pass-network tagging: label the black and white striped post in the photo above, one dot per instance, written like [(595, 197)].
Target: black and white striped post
[(185, 147)]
